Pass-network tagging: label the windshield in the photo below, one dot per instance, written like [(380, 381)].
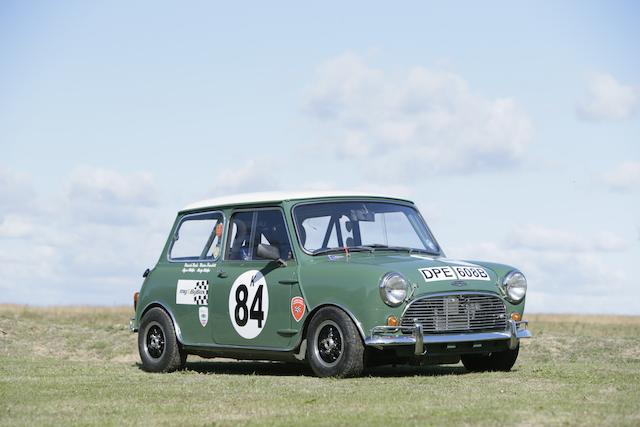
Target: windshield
[(323, 227)]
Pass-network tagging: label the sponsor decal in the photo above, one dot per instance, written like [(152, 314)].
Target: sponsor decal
[(334, 257), (193, 292), (249, 304), (203, 315), (434, 274), (297, 308)]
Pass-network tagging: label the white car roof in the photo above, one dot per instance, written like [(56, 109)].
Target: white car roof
[(277, 196)]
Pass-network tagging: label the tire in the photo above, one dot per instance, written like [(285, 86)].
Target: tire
[(157, 343), (335, 348), (498, 361)]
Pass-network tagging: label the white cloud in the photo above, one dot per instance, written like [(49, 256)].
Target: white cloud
[(88, 243), (106, 196), (423, 118), (566, 272), (246, 175), (94, 184), (625, 177), (608, 99), (539, 238), (15, 226), (16, 191)]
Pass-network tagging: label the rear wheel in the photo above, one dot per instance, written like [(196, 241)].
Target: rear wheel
[(157, 343), (335, 347), (497, 361)]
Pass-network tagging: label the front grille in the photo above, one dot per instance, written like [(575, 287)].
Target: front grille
[(456, 313)]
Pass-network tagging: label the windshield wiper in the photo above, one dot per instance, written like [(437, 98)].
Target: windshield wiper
[(390, 248), (349, 249), (372, 248), (400, 249)]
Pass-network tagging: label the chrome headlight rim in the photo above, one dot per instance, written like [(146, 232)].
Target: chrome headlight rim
[(515, 279), (385, 290)]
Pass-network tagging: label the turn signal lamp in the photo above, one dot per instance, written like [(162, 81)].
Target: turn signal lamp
[(516, 317), (392, 321), (135, 300)]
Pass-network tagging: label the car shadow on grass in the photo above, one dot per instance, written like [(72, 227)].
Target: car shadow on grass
[(227, 367)]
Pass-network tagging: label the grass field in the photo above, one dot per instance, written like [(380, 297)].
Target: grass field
[(61, 366)]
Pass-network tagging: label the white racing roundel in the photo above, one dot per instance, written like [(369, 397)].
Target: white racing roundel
[(249, 304)]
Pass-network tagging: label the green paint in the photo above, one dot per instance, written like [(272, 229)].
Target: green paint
[(350, 282)]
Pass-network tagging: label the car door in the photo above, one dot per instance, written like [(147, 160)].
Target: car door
[(192, 259), (251, 296)]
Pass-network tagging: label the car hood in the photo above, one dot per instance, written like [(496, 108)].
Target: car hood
[(425, 273)]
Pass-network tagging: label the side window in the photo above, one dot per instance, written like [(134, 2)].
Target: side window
[(249, 229), (271, 230), (239, 247), (198, 237)]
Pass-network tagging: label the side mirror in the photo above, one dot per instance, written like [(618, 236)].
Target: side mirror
[(270, 252)]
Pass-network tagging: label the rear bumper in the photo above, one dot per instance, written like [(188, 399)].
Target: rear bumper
[(132, 325), (389, 336)]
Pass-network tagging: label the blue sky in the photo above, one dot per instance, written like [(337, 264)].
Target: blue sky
[(514, 127)]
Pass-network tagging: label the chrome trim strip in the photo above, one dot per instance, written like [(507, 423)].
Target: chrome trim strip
[(173, 318), (350, 314)]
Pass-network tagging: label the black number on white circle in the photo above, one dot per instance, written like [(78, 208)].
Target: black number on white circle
[(241, 305), (241, 311), (257, 314)]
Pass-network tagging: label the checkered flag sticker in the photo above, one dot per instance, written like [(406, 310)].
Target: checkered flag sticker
[(201, 296)]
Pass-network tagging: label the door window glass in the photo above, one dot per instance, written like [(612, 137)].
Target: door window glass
[(198, 237), (240, 236), (249, 229)]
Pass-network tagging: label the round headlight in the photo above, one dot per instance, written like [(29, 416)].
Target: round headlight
[(393, 289), (515, 285)]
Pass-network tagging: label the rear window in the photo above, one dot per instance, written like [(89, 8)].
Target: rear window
[(198, 237)]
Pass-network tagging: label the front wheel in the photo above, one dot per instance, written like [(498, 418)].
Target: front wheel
[(335, 347), (157, 343), (497, 361)]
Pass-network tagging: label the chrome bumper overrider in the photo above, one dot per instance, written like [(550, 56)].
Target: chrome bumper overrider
[(386, 336)]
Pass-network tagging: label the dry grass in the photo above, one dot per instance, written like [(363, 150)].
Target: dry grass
[(78, 365)]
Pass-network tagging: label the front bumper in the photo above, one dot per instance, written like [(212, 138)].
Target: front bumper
[(388, 336)]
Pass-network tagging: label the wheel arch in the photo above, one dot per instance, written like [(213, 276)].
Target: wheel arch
[(313, 312), (163, 307)]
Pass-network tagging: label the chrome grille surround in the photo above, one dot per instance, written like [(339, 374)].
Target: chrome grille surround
[(456, 312)]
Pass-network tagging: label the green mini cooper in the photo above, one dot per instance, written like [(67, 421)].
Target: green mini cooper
[(341, 281)]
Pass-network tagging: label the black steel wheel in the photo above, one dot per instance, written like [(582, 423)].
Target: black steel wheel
[(496, 361), (334, 346), (158, 346)]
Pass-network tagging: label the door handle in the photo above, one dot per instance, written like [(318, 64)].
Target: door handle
[(222, 274)]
